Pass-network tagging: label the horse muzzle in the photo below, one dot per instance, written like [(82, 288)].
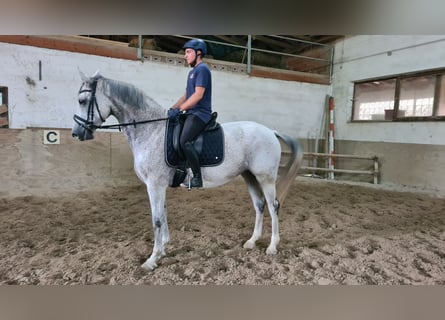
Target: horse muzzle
[(82, 134), (83, 130)]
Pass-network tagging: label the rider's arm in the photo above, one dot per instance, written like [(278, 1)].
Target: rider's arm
[(179, 102), (193, 99)]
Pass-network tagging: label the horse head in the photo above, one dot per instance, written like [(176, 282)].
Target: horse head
[(90, 115)]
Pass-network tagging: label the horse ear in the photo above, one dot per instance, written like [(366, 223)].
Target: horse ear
[(82, 75), (96, 75)]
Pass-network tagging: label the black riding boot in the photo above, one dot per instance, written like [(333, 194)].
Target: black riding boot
[(193, 160)]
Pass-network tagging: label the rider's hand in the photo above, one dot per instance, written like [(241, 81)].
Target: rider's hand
[(172, 113)]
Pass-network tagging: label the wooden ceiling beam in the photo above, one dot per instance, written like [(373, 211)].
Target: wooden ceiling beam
[(237, 40), (271, 42)]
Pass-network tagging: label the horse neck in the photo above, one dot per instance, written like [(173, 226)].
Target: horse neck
[(125, 113), (130, 103), (135, 108)]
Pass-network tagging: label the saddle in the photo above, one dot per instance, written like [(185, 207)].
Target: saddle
[(209, 146)]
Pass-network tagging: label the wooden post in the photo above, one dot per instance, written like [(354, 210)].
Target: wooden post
[(331, 138)]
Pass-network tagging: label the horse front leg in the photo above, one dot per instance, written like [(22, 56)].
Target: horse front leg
[(160, 226)]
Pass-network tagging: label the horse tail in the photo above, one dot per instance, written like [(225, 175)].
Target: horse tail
[(289, 172)]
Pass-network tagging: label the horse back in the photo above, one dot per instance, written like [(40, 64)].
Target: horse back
[(251, 140)]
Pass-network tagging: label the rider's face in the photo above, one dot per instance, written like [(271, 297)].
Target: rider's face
[(189, 55)]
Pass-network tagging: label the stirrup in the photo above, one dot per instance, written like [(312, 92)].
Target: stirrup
[(190, 185), (180, 174), (195, 182)]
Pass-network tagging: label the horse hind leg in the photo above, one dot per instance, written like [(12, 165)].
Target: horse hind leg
[(273, 205), (259, 203)]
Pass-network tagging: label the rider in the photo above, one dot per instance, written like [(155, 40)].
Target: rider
[(196, 103)]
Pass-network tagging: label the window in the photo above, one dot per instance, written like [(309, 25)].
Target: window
[(412, 97), (441, 104), (371, 99)]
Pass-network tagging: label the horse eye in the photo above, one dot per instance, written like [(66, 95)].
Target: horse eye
[(82, 100)]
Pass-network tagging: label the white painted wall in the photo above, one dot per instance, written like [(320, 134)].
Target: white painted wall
[(369, 56), (291, 107)]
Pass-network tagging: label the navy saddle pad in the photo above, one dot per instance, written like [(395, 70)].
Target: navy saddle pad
[(210, 146)]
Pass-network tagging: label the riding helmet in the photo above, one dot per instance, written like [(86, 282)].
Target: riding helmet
[(196, 44)]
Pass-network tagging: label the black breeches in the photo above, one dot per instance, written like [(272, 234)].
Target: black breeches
[(193, 126)]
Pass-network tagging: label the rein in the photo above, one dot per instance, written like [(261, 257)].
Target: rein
[(88, 123), (126, 124)]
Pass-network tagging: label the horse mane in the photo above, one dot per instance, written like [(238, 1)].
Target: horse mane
[(128, 94)]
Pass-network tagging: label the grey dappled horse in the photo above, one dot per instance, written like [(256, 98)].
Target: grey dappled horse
[(251, 150)]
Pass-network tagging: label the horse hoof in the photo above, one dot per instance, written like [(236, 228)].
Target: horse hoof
[(271, 251), (150, 266), (249, 245)]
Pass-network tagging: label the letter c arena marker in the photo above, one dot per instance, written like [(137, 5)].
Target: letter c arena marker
[(51, 137)]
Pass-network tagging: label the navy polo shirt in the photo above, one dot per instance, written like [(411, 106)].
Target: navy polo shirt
[(200, 76)]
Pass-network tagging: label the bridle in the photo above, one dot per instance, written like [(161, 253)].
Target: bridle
[(88, 124)]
